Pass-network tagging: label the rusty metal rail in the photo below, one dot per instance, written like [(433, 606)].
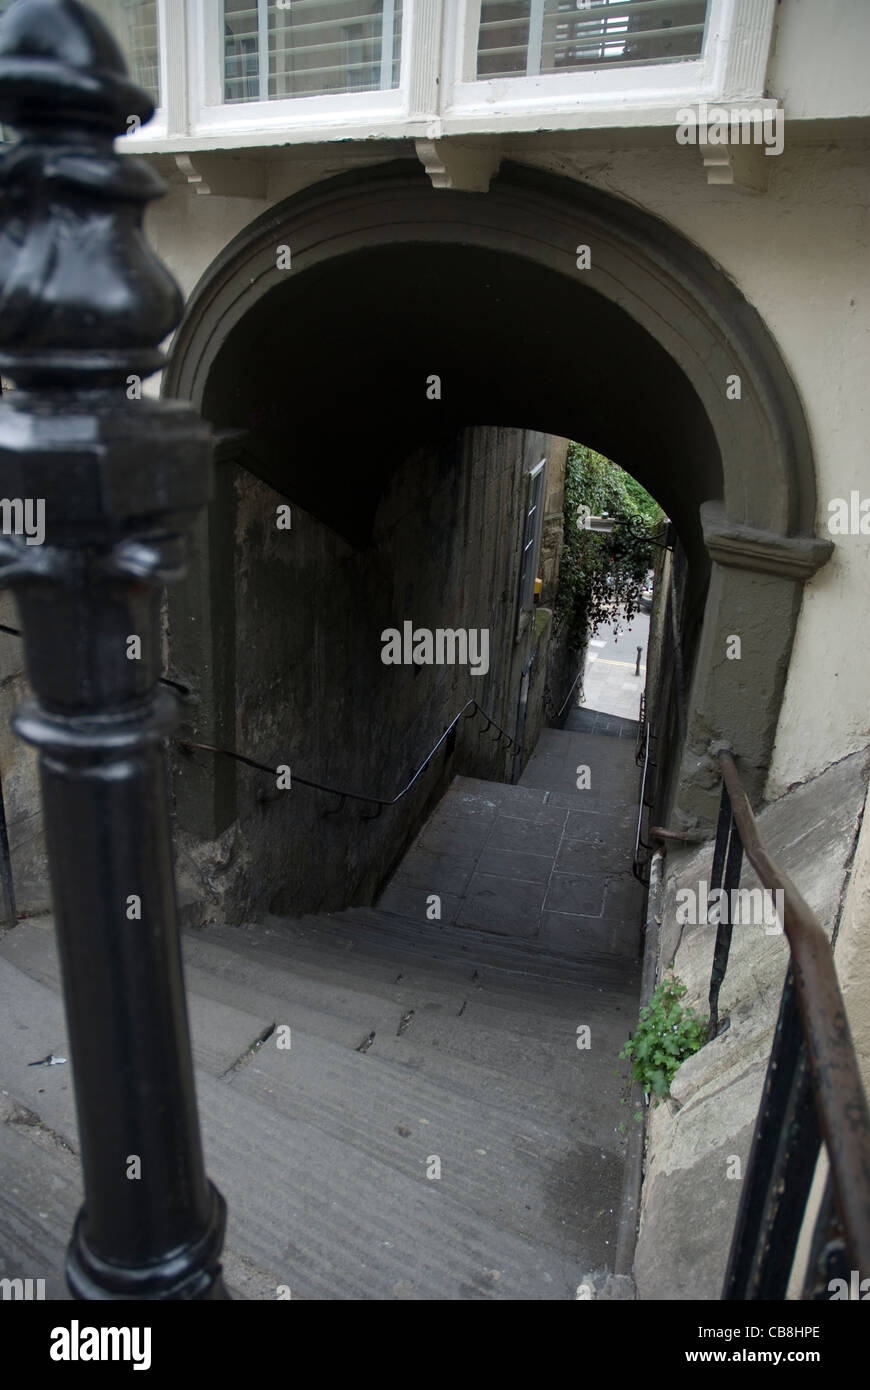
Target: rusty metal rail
[(827, 1070), (640, 865), (470, 709)]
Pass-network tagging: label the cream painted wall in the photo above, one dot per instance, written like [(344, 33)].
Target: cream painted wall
[(799, 252), (819, 62)]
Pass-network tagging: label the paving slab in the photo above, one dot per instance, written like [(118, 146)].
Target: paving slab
[(490, 847)]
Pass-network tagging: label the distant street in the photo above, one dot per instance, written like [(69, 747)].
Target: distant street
[(609, 682)]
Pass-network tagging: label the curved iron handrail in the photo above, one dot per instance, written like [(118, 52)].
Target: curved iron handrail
[(574, 684), (637, 867), (357, 796), (320, 786), (841, 1104)]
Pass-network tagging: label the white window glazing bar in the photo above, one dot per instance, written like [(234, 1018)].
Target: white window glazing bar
[(536, 36), (388, 40), (263, 48)]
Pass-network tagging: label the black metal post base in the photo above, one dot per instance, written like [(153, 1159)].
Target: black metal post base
[(192, 1272)]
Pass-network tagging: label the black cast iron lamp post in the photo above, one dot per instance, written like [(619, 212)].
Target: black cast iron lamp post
[(83, 306)]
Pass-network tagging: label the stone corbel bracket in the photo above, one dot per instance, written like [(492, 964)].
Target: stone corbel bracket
[(744, 167), (736, 140), (738, 546), (224, 176), (459, 165)]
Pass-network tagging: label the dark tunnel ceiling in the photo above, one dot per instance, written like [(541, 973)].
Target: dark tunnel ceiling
[(329, 371)]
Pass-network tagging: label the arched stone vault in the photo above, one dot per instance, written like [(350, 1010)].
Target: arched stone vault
[(391, 281)]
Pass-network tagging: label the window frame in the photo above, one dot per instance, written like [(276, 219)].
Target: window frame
[(732, 66), (159, 127), (438, 37), (210, 114)]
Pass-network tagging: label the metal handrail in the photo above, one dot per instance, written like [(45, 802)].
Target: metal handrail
[(638, 842), (641, 721), (358, 796), (320, 786), (839, 1096), (577, 678)]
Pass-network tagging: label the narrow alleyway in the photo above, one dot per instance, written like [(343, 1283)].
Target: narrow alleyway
[(433, 1130), (543, 861), (609, 681)]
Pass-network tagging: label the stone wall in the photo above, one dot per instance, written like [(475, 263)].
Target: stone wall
[(553, 525), (692, 1184), (313, 693)]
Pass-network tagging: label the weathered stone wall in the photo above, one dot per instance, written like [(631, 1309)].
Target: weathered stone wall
[(556, 677), (689, 1201), (312, 691), (667, 679), (553, 526)]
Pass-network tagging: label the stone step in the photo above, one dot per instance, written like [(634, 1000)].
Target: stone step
[(510, 1037), (501, 1159), (542, 963), (475, 1049), (221, 1030), (335, 1222), (582, 719), (330, 1196), (325, 985), (40, 1198), (34, 1027), (547, 867), (373, 942), (415, 1045)]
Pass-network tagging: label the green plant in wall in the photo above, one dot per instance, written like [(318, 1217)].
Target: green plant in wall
[(601, 576), (666, 1035)]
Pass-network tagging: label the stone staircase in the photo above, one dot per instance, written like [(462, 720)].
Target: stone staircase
[(433, 1130)]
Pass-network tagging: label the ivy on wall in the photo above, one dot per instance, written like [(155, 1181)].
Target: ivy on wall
[(601, 575)]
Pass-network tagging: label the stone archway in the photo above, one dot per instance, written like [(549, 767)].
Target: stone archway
[(636, 354)]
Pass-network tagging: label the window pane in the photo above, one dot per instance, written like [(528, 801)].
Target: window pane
[(528, 37), (312, 48), (504, 38), (134, 25)]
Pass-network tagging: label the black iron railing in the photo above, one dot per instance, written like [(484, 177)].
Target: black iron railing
[(645, 738), (469, 710), (645, 849), (119, 479), (812, 1094), (556, 714)]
